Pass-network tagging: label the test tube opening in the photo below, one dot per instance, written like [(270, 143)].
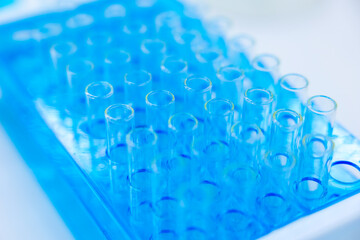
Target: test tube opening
[(118, 113), (294, 82), (242, 43), (141, 137), (266, 63), (322, 105), (230, 74), (287, 120), (220, 107), (118, 57), (174, 65), (183, 122), (99, 90), (153, 46), (160, 99), (198, 84), (138, 78)]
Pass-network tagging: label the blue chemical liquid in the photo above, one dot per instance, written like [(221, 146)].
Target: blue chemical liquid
[(175, 131)]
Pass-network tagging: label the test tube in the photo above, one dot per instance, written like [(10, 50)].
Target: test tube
[(115, 15), (231, 86), (134, 33), (137, 85), (141, 142), (240, 51), (153, 53), (292, 92), (79, 25), (313, 175), (117, 64), (265, 71), (320, 115), (198, 90), (119, 122), (218, 122), (80, 73), (98, 42), (209, 62), (98, 97), (257, 109), (166, 23), (173, 74), (61, 53)]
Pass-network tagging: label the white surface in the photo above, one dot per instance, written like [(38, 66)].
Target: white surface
[(317, 38), (25, 211)]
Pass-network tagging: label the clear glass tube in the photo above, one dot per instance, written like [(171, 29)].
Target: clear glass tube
[(292, 92), (240, 50), (173, 74), (98, 43), (257, 109), (98, 97), (218, 122), (137, 85), (117, 64), (286, 130), (79, 73), (61, 53), (141, 143), (320, 115), (198, 90), (313, 174), (265, 71), (160, 105), (231, 86), (119, 122), (152, 54)]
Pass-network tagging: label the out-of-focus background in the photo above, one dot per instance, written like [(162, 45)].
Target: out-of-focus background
[(317, 38)]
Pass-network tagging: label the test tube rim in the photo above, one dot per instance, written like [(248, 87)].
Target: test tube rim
[(71, 63), (166, 69), (268, 102), (73, 25), (328, 140), (282, 168), (115, 119), (89, 36), (73, 48), (142, 29), (241, 124), (174, 128), (234, 42), (168, 93), (107, 15), (208, 88), (135, 72), (131, 143), (201, 59), (118, 50), (107, 95), (332, 110), (145, 50), (293, 89), (292, 112), (222, 78), (255, 62), (228, 112)]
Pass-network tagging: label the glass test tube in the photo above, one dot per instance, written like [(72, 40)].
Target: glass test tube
[(119, 122), (320, 115), (97, 45), (292, 93), (98, 97), (80, 73), (153, 53), (115, 15), (265, 70), (142, 152), (61, 53), (133, 35), (117, 64), (210, 61), (79, 25), (137, 85), (198, 90), (218, 122), (240, 50), (231, 86), (313, 174), (257, 109), (173, 74)]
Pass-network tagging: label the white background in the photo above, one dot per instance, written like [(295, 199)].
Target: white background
[(317, 38)]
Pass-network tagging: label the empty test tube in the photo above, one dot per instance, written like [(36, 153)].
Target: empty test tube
[(153, 52), (313, 173), (80, 73), (174, 71), (198, 90), (137, 85), (61, 53), (98, 97), (240, 51), (257, 109), (142, 152), (231, 86), (119, 122), (320, 115), (117, 64), (292, 92), (265, 71)]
